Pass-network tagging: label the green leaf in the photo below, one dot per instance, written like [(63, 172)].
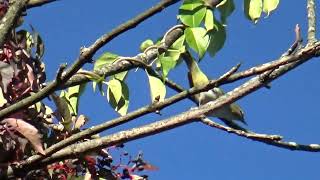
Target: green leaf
[(73, 96), (63, 109), (157, 88), (174, 54), (145, 44), (104, 60), (190, 5), (270, 5), (197, 39), (217, 39), (121, 76), (253, 9), (176, 49), (191, 13), (167, 63), (226, 10), (37, 43), (115, 87), (118, 96), (209, 20), (179, 43)]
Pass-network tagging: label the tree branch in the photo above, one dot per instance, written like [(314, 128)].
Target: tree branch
[(38, 3), (190, 116), (127, 118), (10, 18), (87, 53), (311, 21), (274, 140), (249, 135), (185, 118)]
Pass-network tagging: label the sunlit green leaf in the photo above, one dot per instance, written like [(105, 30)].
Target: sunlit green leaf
[(115, 87), (118, 96), (121, 76), (167, 63), (179, 43), (209, 20), (197, 39), (157, 88), (270, 5), (191, 13), (145, 44), (176, 49), (63, 108), (217, 39), (3, 100), (106, 59), (73, 95), (253, 9), (190, 5)]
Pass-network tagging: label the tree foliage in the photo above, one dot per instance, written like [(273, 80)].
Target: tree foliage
[(32, 136)]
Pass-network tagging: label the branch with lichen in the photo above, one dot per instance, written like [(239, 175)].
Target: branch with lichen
[(8, 22), (311, 6)]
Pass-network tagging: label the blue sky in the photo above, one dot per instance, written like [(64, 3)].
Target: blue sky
[(195, 151)]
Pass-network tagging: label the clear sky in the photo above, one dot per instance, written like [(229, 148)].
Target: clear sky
[(195, 151)]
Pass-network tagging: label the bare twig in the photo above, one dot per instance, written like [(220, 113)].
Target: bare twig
[(250, 135), (62, 67), (311, 6), (38, 3), (274, 140)]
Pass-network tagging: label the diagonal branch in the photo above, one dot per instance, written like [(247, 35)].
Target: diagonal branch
[(38, 3), (273, 140), (184, 118), (191, 115), (87, 53), (249, 135), (127, 118), (7, 23), (311, 6)]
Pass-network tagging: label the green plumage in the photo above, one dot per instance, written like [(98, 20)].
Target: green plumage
[(198, 79)]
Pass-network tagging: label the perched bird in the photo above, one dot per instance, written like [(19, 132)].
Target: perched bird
[(197, 78)]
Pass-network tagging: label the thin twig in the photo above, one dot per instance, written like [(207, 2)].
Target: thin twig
[(311, 6), (274, 140), (250, 135), (38, 3)]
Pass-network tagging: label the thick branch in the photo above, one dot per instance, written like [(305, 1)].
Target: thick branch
[(190, 116), (184, 118), (311, 21), (37, 3), (7, 23), (87, 53), (124, 119)]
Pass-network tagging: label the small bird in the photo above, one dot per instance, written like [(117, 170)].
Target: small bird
[(197, 78)]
